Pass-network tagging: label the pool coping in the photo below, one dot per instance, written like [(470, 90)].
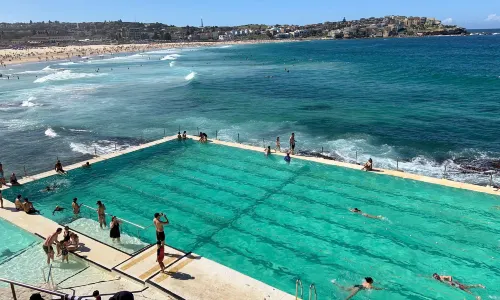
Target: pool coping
[(395, 173)]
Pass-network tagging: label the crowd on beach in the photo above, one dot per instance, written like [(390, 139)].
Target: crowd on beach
[(39, 54), (70, 240)]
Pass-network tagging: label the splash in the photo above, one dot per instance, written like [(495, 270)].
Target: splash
[(29, 102), (172, 63), (170, 57), (190, 76), (50, 133)]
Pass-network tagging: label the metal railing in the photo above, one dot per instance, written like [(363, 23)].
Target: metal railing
[(323, 152), (312, 291), (138, 228), (12, 283), (298, 284)]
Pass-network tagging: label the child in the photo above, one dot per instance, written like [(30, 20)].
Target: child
[(160, 254), (64, 251)]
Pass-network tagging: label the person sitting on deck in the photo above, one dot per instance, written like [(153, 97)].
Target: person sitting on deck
[(267, 151), (18, 203), (13, 179), (365, 285), (368, 166), (2, 177), (59, 168), (179, 136), (201, 137), (449, 280), (29, 208), (184, 135), (86, 165), (73, 243)]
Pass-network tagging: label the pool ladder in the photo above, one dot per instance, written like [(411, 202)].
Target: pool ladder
[(299, 291)]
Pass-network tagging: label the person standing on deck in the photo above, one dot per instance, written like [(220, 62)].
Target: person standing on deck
[(292, 143), (160, 234), (101, 214), (2, 177), (47, 245), (278, 146)]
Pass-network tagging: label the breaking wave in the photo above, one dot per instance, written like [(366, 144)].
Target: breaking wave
[(50, 133), (67, 75), (172, 63), (47, 69), (191, 76), (171, 57)]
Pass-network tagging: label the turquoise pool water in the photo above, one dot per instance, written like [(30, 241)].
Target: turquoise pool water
[(14, 240), (277, 222)]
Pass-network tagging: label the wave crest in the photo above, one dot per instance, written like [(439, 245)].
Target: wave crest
[(67, 75), (50, 133)]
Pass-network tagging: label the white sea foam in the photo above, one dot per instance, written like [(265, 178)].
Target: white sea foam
[(99, 147), (29, 102), (171, 57), (66, 75), (50, 133), (165, 51), (172, 63), (190, 76), (226, 46), (79, 130), (69, 63), (47, 69)]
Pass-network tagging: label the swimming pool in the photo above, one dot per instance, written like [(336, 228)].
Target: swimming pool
[(22, 258), (277, 222)]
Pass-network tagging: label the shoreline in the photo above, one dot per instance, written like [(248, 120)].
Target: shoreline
[(9, 57)]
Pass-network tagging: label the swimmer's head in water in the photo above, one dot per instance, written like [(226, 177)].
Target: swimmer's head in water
[(369, 280), (356, 210), (75, 199), (436, 276)]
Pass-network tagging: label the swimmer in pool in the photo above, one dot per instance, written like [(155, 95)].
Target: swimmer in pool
[(287, 158), (367, 284), (58, 208), (358, 211), (267, 151), (449, 280)]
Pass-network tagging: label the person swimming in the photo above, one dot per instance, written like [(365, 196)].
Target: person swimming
[(287, 158), (58, 208), (367, 284), (449, 280), (358, 211)]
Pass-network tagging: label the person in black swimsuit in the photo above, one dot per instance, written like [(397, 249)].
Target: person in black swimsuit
[(452, 282), (114, 232), (367, 284)]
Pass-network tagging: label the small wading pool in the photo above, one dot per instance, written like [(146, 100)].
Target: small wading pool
[(277, 222), (22, 258)]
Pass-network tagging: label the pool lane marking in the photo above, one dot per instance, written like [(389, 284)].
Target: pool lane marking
[(177, 268), (138, 259), (156, 268)]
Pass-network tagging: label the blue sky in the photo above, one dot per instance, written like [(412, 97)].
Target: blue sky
[(470, 14)]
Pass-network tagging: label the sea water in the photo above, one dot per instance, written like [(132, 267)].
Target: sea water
[(277, 222), (421, 105)]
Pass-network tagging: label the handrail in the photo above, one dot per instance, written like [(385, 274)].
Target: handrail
[(311, 288), (32, 287), (298, 283), (123, 220)]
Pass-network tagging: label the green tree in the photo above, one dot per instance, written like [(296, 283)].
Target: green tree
[(167, 36)]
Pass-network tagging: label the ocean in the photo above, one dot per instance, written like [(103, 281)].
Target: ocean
[(423, 105)]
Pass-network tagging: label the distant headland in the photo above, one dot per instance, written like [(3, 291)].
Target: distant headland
[(55, 33)]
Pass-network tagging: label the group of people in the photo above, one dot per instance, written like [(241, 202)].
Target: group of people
[(114, 225), (69, 243), (182, 136), (12, 179), (367, 284), (26, 206), (203, 137)]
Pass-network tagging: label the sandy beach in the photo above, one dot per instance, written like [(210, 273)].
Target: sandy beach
[(39, 54)]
